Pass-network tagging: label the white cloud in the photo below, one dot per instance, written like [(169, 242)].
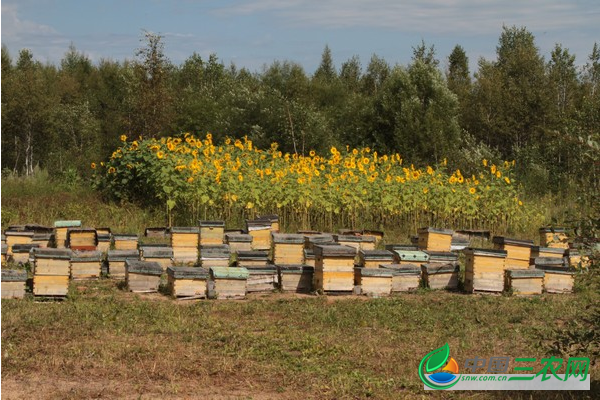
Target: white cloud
[(14, 27)]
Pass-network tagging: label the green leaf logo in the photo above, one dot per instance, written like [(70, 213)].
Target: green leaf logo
[(437, 358)]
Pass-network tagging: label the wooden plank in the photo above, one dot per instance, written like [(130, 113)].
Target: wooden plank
[(13, 290), (50, 285)]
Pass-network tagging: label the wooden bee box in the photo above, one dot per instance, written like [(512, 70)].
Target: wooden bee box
[(253, 258), (238, 241), (577, 260), (433, 239), (13, 284), (14, 237), (518, 252), (484, 270), (260, 230), (558, 277), (215, 256), (104, 241), (442, 257), (185, 241), (373, 258), (116, 262), (125, 242), (554, 237), (440, 276), (547, 252), (103, 231), (42, 240), (373, 282), (157, 232), (50, 285), (262, 279), (142, 276), (187, 282), (211, 232), (525, 281), (227, 283), (295, 278), (459, 242), (85, 239), (377, 235), (86, 265), (161, 254), (403, 257), (405, 277), (288, 249), (21, 252), (273, 219), (309, 258), (334, 268), (51, 261), (60, 231), (310, 241)]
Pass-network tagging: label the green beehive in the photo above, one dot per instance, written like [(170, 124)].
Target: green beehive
[(227, 283)]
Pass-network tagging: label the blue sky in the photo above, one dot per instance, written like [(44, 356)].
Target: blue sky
[(254, 33)]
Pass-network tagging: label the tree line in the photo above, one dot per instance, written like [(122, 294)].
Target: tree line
[(545, 114)]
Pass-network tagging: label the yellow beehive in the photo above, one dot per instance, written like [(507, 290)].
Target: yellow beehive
[(184, 242), (160, 254), (273, 219), (558, 277), (288, 249), (260, 230), (377, 235), (547, 252), (187, 282), (518, 252), (125, 242), (440, 276), (577, 260), (211, 232), (85, 239), (252, 258), (60, 231), (215, 256), (17, 237), (433, 239), (373, 282), (525, 281), (238, 241), (334, 268), (484, 270), (21, 253), (116, 262), (42, 240), (142, 276), (86, 265), (374, 258), (554, 237), (51, 273), (405, 277), (295, 278), (310, 241)]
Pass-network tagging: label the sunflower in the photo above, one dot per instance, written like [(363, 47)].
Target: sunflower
[(93, 165), (472, 190), (112, 170), (123, 138), (160, 155)]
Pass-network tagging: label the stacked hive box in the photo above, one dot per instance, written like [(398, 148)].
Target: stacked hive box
[(554, 237), (432, 239), (440, 276), (60, 231), (358, 242), (484, 270), (211, 232), (104, 239), (215, 256), (142, 276), (373, 281), (85, 239), (125, 242), (13, 284), (295, 278), (558, 277), (227, 283), (577, 260), (21, 252), (184, 242), (52, 268), (546, 252), (238, 241), (288, 249), (404, 257), (260, 230), (187, 282), (43, 240), (334, 268), (14, 237), (442, 257), (116, 262), (253, 258), (525, 281), (405, 277), (374, 258), (262, 279), (86, 265), (310, 241), (273, 219), (377, 235), (518, 252), (161, 254)]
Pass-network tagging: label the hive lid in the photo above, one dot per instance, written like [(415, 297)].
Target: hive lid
[(143, 267), (24, 248), (438, 256), (185, 229), (86, 256), (156, 229), (238, 237), (309, 254), (412, 255), (295, 268), (13, 232), (555, 269), (439, 268), (376, 254), (334, 251), (42, 236), (258, 255), (525, 273), (485, 252), (554, 250), (403, 269), (372, 232), (157, 252), (211, 224), (52, 253), (229, 273), (215, 251), (37, 228), (122, 255), (267, 268), (380, 272), (288, 238), (513, 242), (553, 230), (320, 238), (104, 237), (67, 224), (14, 275), (124, 236), (348, 238), (187, 272), (549, 261), (435, 230), (258, 224), (394, 247)]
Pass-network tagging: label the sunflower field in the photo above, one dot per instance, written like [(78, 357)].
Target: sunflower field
[(195, 178)]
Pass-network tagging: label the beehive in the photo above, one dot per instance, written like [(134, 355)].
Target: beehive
[(374, 282), (373, 258), (442, 257), (554, 237), (273, 219), (440, 276), (252, 258), (86, 265), (156, 232), (525, 281), (215, 256), (14, 237), (309, 258), (558, 277), (310, 241), (104, 241), (116, 262), (187, 282), (288, 249), (21, 253), (125, 241), (459, 242), (334, 268), (405, 277), (433, 239), (161, 254), (184, 241), (410, 257), (13, 283), (262, 279), (484, 270), (142, 276), (546, 252), (227, 283), (85, 239), (358, 242), (238, 241), (260, 230), (295, 278), (51, 272), (377, 235), (43, 240), (60, 231), (577, 260), (103, 231), (211, 232), (518, 252)]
